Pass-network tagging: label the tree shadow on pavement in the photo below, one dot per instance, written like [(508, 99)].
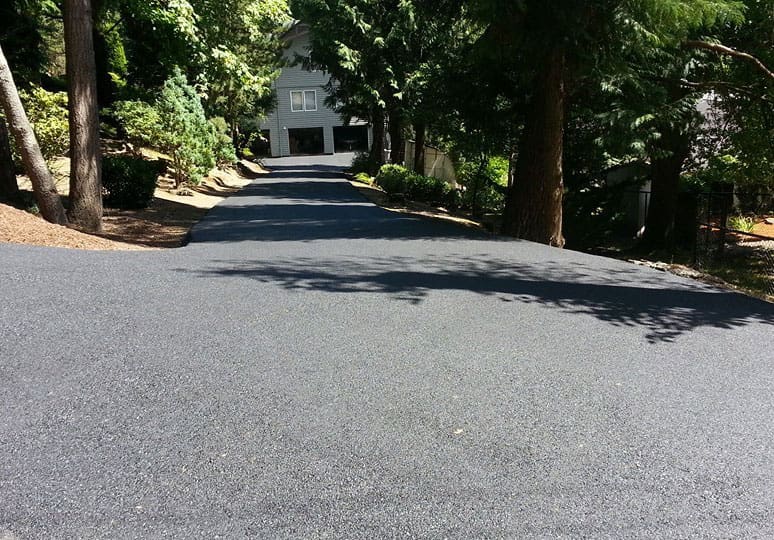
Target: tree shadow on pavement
[(295, 222), (622, 297)]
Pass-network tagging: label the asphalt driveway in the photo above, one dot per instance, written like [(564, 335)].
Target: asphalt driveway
[(313, 366)]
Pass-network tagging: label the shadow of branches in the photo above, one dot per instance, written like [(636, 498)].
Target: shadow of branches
[(630, 297)]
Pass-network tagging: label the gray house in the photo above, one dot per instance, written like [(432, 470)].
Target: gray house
[(301, 123)]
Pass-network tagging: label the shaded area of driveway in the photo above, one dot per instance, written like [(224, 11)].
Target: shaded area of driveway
[(313, 366), (665, 313)]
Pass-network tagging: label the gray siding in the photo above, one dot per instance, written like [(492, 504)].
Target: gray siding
[(296, 78)]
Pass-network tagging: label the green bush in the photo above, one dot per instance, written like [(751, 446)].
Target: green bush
[(741, 223), (485, 183), (176, 125), (453, 199), (364, 178), (47, 112), (129, 182), (140, 122), (393, 179), (397, 179), (427, 189), (223, 147)]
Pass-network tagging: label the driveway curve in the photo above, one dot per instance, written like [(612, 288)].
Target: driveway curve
[(313, 366)]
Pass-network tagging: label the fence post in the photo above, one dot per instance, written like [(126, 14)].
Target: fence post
[(697, 229), (723, 230)]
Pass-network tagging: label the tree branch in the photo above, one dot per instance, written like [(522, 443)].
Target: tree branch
[(722, 49), (724, 86)]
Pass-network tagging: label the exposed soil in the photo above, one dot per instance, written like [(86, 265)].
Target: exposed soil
[(762, 228), (20, 227), (164, 224)]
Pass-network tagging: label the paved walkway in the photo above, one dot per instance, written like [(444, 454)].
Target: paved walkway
[(313, 366)]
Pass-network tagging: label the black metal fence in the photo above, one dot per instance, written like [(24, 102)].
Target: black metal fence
[(732, 237), (723, 233)]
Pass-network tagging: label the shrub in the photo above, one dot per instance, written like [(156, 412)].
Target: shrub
[(485, 183), (453, 199), (393, 179), (140, 122), (223, 146), (397, 179), (47, 112), (741, 223), (427, 188), (364, 178), (129, 182), (186, 135)]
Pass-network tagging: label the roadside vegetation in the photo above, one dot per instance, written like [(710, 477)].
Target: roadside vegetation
[(558, 114), (100, 99)]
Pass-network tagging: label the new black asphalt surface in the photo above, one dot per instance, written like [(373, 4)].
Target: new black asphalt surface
[(312, 366)]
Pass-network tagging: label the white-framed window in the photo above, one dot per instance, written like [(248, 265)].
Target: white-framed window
[(303, 100)]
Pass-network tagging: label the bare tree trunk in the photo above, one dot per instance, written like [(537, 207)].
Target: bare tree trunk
[(419, 147), (49, 203), (377, 147), (85, 168), (665, 183), (533, 209), (9, 188), (397, 140)]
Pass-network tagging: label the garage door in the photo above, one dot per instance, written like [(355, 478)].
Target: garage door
[(306, 141)]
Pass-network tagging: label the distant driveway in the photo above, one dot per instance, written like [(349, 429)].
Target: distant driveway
[(314, 366)]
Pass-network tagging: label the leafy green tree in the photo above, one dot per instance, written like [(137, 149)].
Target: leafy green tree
[(230, 49), (241, 55), (22, 37), (140, 121), (739, 73)]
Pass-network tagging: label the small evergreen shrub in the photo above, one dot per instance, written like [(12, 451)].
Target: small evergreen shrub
[(176, 125), (453, 199), (186, 134), (129, 182)]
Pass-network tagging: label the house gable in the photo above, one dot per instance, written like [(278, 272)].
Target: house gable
[(301, 98)]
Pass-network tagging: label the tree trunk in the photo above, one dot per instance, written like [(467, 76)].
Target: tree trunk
[(377, 146), (533, 209), (85, 168), (397, 139), (419, 147), (9, 188), (49, 203), (665, 182)]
